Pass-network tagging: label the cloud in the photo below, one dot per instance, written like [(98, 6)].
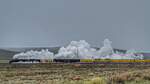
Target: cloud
[(79, 50)]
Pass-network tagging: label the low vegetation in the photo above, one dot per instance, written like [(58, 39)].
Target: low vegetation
[(74, 74)]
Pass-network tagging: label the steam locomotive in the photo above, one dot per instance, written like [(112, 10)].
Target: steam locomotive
[(44, 61), (79, 61)]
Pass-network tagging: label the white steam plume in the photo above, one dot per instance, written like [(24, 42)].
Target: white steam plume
[(79, 50), (76, 50), (43, 54), (82, 50)]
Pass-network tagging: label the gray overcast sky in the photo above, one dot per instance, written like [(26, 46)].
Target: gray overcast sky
[(28, 23)]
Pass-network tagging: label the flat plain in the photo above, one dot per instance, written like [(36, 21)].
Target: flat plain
[(62, 73)]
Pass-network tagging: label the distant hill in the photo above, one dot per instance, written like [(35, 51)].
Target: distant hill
[(9, 52), (52, 49), (120, 50), (115, 50), (6, 54)]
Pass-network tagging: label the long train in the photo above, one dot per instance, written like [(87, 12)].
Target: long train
[(79, 61)]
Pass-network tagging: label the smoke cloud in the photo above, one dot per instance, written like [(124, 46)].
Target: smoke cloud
[(43, 54), (79, 50)]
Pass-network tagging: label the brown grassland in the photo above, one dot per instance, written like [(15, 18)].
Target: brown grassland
[(75, 73)]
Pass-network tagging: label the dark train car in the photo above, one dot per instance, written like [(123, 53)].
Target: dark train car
[(24, 60), (66, 60)]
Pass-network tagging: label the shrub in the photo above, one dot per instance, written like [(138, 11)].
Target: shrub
[(97, 80)]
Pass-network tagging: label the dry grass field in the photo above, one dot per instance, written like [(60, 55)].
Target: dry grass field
[(74, 74)]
